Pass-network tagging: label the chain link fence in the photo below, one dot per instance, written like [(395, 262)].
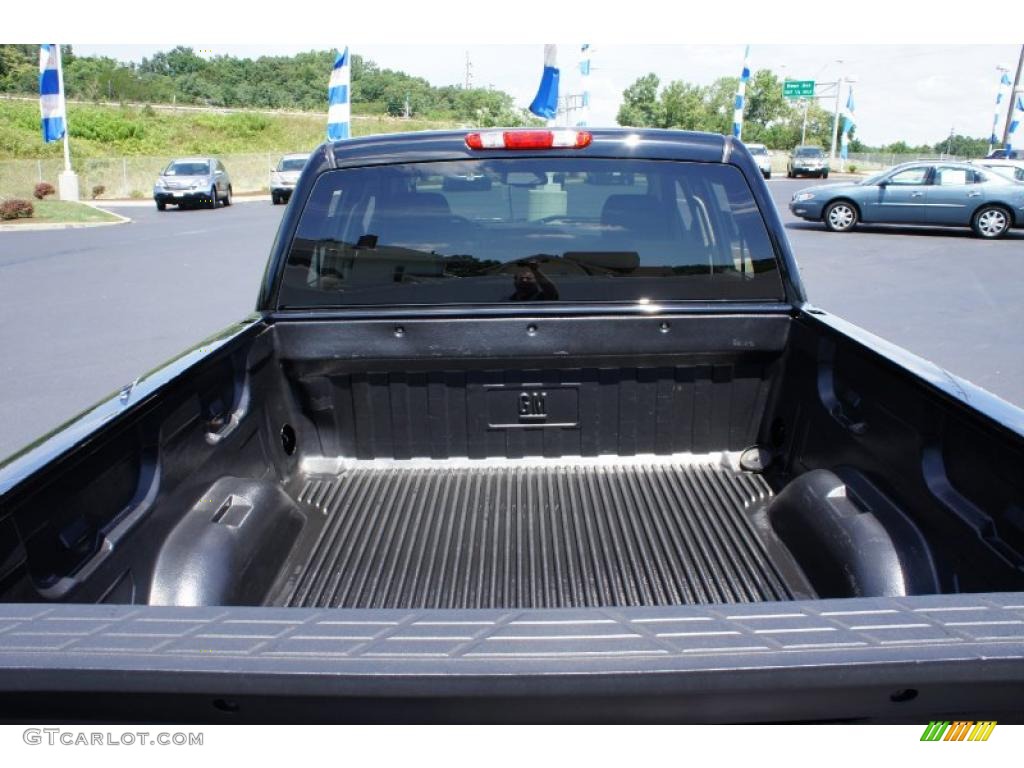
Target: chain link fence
[(128, 177)]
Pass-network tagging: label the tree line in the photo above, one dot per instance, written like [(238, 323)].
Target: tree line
[(268, 82), (769, 118)]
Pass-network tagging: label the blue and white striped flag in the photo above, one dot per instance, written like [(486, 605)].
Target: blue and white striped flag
[(545, 103), (741, 95), (1015, 122), (339, 112), (51, 97), (849, 120), (1004, 81)]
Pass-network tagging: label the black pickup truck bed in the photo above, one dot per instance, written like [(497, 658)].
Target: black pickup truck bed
[(533, 534)]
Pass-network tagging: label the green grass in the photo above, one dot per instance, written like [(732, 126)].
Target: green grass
[(62, 212), (100, 131)]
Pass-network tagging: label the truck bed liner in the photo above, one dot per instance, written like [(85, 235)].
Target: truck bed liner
[(531, 534)]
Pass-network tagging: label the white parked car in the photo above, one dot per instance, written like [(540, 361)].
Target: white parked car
[(762, 158), (1014, 169), (284, 178)]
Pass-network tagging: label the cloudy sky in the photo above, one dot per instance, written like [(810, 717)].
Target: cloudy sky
[(913, 92)]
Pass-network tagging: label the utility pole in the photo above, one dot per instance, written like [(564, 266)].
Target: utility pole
[(469, 72), (1013, 95), (67, 181), (835, 116)]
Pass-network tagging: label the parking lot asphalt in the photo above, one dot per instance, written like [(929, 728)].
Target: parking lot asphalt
[(87, 311)]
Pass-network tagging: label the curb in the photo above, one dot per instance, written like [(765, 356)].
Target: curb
[(66, 225), (837, 176)]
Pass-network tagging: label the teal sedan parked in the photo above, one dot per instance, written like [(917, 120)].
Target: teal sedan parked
[(932, 193)]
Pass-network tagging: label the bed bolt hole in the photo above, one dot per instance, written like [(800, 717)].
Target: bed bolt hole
[(288, 439), (399, 331), (225, 705), (665, 327), (531, 330), (904, 694)]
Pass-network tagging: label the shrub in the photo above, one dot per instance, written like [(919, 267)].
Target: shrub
[(16, 209), (43, 188), (138, 194), (98, 190), (851, 168)]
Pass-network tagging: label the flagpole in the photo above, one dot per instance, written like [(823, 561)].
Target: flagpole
[(68, 180), (60, 84)]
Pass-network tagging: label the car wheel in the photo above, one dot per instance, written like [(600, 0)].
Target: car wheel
[(161, 205), (990, 222), (227, 198), (789, 174), (275, 199), (768, 175), (824, 174), (212, 202), (840, 216)]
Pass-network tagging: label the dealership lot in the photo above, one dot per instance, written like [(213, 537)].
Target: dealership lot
[(85, 311)]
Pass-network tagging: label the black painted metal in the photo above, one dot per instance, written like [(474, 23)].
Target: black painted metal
[(909, 659)]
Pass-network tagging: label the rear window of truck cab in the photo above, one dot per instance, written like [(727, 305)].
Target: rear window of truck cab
[(529, 229)]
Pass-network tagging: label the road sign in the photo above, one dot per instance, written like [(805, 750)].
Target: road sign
[(798, 89)]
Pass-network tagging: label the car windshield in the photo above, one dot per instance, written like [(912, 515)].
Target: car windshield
[(808, 152), (551, 229), (187, 168), (292, 164), (758, 150)]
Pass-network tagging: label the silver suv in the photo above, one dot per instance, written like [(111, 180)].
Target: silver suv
[(284, 178), (807, 161), (193, 181)]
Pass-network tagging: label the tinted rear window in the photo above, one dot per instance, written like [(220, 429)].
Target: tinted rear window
[(510, 230)]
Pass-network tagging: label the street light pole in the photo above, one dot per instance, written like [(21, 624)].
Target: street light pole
[(835, 116)]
